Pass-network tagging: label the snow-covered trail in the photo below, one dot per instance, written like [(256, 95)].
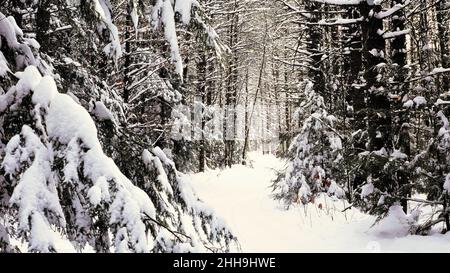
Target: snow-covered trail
[(241, 195)]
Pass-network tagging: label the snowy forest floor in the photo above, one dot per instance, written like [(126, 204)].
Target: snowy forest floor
[(241, 195)]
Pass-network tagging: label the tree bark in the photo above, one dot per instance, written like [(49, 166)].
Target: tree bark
[(201, 70), (314, 47), (231, 90), (378, 104), (399, 58), (442, 19), (357, 95), (127, 62)]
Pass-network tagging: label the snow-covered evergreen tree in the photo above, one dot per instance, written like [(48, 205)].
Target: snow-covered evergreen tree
[(314, 154), (56, 179)]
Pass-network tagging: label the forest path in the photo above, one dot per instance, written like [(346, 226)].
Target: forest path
[(241, 195)]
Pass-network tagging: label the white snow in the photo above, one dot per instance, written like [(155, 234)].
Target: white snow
[(394, 34), (95, 195), (391, 11), (339, 2), (447, 183), (397, 154), (242, 196), (102, 112), (367, 190), (163, 16), (28, 79), (113, 49), (8, 31), (184, 8), (440, 102), (419, 100), (395, 225), (3, 65), (67, 120), (69, 61), (135, 17), (148, 158), (439, 70), (36, 196), (339, 21), (45, 91), (408, 104), (335, 190)]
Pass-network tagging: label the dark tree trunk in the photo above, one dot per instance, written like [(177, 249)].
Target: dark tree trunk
[(315, 48), (356, 94), (399, 57), (442, 19), (202, 77), (127, 63), (43, 23), (354, 66), (16, 12), (231, 91), (246, 121), (380, 135), (423, 50), (286, 138), (378, 104), (210, 88)]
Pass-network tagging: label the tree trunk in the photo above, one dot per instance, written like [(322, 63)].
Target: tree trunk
[(399, 57), (442, 19), (201, 71), (246, 120), (127, 62), (43, 23), (315, 49), (378, 104), (356, 94), (231, 90), (287, 113), (423, 50)]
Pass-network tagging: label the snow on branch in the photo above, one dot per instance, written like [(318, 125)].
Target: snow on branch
[(391, 11), (339, 21), (340, 2), (190, 216), (100, 192), (103, 11), (394, 34)]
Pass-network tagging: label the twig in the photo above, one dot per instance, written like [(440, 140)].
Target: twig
[(329, 127), (347, 208), (174, 233)]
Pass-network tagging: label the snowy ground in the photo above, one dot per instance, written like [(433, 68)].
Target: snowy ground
[(242, 196)]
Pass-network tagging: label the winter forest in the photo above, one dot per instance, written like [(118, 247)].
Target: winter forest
[(224, 126)]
